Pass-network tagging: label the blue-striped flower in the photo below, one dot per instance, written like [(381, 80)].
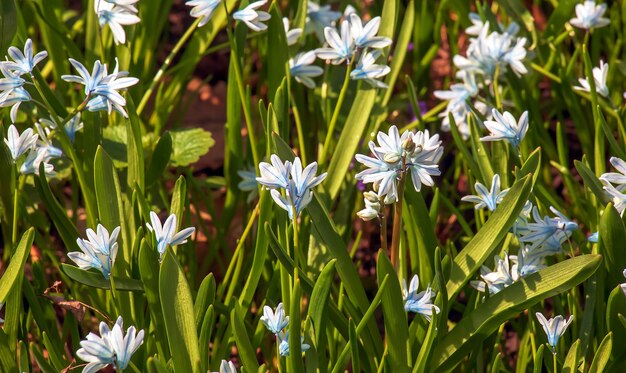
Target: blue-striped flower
[(124, 346), (340, 48), (418, 302), (505, 127), (301, 68), (599, 77), (12, 91), (102, 88), (487, 198), (589, 15), (546, 235), (283, 346), (252, 17), (594, 237), (617, 197), (203, 8), (292, 35), (367, 69), (498, 279), (554, 328), (20, 144), (365, 35), (275, 321), (227, 367), (318, 18), (166, 234), (274, 175), (116, 15), (24, 63), (99, 250), (526, 263), (617, 178), (71, 127)]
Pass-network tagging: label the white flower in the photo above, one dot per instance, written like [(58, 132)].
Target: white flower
[(526, 263), (546, 235), (116, 16), (554, 328), (71, 127), (300, 67), (487, 198), (98, 251), (203, 8), (12, 91), (318, 18), (275, 175), (20, 144), (418, 302), (166, 234), (458, 96), (275, 321), (365, 36), (33, 161), (478, 24), (368, 70), (341, 47), (24, 63), (423, 161), (497, 280), (589, 15), (283, 346), (292, 35), (102, 88), (599, 77), (248, 181), (618, 178), (253, 18), (227, 367), (505, 127), (617, 197)]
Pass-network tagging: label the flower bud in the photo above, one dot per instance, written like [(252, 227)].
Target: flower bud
[(371, 196), (408, 145), (392, 158), (367, 214)]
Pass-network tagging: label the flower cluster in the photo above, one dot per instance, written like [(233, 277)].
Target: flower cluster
[(116, 14), (418, 153), (110, 347), (291, 186), (276, 322), (12, 91), (589, 15), (418, 302), (99, 250), (37, 147)]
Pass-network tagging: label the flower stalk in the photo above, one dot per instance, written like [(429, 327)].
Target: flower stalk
[(335, 117), (397, 217)]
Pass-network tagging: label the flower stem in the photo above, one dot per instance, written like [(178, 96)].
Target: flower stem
[(383, 232), (16, 202), (496, 91), (168, 60), (554, 360), (335, 117), (397, 218)]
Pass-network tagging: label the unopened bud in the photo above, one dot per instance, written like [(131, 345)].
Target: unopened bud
[(408, 145), (392, 158), (371, 196), (367, 214)]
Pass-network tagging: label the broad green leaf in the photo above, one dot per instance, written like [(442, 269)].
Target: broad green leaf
[(419, 226), (603, 354), (572, 359), (488, 237), (319, 298), (396, 331), (7, 357), (612, 235), (508, 303), (134, 147), (96, 280), (160, 159), (591, 181), (480, 153), (538, 368), (189, 145), (204, 298), (244, 346), (615, 307), (277, 50), (156, 366), (177, 305), (16, 265)]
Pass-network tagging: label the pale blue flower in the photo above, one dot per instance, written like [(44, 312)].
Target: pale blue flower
[(599, 77), (478, 24), (418, 302), (274, 175), (283, 346), (111, 347), (275, 321), (617, 197), (33, 161), (319, 17), (98, 251), (617, 178), (498, 279), (300, 67), (116, 16), (12, 91), (487, 198), (489, 50), (365, 35), (341, 48), (227, 367), (589, 15), (422, 161), (292, 35), (554, 328), (166, 234), (505, 127), (458, 97), (248, 181), (102, 88), (594, 237), (71, 127), (546, 235), (252, 17), (203, 8), (24, 63), (526, 263), (45, 144), (369, 71), (20, 144), (129, 5)]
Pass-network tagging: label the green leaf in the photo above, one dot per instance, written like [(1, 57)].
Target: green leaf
[(96, 280), (134, 147), (179, 196), (63, 224), (354, 347), (244, 347), (278, 50), (160, 159), (421, 364), (16, 265), (615, 306), (612, 235), (204, 298), (508, 303), (294, 360), (396, 331), (591, 181), (189, 145), (603, 354), (572, 359), (8, 24), (539, 360), (488, 237), (480, 153), (7, 357), (319, 298), (177, 305)]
